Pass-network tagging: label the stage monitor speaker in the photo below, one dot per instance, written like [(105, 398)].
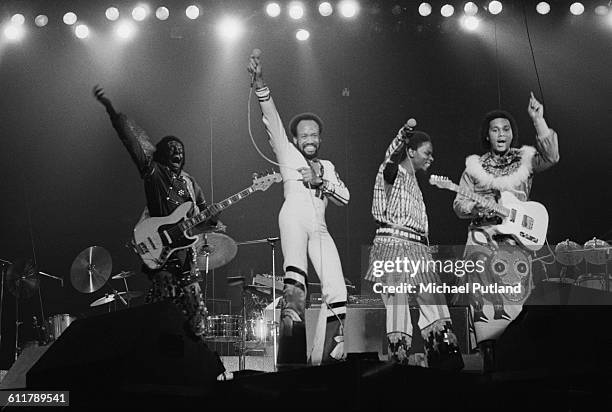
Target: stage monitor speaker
[(137, 349), (566, 337)]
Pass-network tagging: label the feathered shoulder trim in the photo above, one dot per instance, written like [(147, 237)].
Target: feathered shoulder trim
[(516, 168)]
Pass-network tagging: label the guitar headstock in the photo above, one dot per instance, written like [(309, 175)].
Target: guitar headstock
[(264, 182), (442, 182)]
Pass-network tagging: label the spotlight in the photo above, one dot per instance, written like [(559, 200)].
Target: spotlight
[(302, 35), (70, 18), (273, 9), (348, 8), (325, 9), (112, 13), (139, 13), (14, 32), (41, 20), (470, 8), (470, 22), (162, 13), (81, 31), (425, 9), (230, 28), (577, 8), (543, 7), (447, 10), (602, 10), (495, 7), (18, 19), (296, 11), (192, 12), (125, 29)]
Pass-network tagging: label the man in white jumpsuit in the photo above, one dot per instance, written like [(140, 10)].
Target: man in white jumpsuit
[(308, 184)]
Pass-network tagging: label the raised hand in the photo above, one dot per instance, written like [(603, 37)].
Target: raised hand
[(99, 95), (535, 109), (254, 68)]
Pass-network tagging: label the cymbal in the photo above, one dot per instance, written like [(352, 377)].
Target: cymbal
[(22, 278), (219, 248), (115, 296), (91, 269), (124, 274), (257, 290), (235, 280)]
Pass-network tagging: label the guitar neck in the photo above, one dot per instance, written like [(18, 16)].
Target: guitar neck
[(222, 205), (498, 209)]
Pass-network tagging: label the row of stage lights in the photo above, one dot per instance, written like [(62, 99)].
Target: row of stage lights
[(231, 27)]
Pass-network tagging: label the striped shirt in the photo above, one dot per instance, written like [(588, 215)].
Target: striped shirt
[(401, 203)]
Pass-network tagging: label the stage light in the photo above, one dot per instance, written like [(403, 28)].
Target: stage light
[(230, 28), (139, 13), (273, 9), (192, 12), (17, 19), (470, 8), (447, 10), (348, 8), (470, 23), (112, 13), (602, 10), (14, 32), (425, 9), (162, 13), (296, 11), (543, 7), (495, 7), (41, 20), (302, 35), (326, 9), (577, 8), (125, 29), (81, 31), (70, 18)]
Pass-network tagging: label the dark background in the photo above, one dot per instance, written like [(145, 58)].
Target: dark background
[(67, 182)]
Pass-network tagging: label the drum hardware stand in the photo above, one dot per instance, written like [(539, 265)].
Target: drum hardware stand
[(272, 242)]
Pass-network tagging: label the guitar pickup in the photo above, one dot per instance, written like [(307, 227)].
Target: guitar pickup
[(512, 215), (527, 222)]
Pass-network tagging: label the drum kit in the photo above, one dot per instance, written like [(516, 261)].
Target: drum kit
[(595, 254)]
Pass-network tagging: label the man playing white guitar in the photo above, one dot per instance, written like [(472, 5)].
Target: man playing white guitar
[(503, 168), (166, 187)]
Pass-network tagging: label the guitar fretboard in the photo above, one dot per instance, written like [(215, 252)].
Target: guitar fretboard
[(224, 204), (500, 210)]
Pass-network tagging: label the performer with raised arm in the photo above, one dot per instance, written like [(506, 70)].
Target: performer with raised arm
[(309, 182), (402, 233), (167, 186), (504, 167)]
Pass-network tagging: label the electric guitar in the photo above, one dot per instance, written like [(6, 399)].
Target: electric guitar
[(527, 222), (156, 238)]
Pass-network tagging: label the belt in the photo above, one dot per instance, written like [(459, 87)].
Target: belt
[(401, 232)]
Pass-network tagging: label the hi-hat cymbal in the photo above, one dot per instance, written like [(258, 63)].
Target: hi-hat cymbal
[(115, 296), (91, 269), (218, 248), (124, 274), (235, 280), (22, 278), (257, 290)]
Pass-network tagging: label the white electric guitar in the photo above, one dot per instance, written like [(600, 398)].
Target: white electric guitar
[(156, 238), (527, 222)]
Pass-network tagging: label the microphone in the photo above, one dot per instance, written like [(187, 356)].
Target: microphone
[(256, 53), (408, 128), (411, 123)]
